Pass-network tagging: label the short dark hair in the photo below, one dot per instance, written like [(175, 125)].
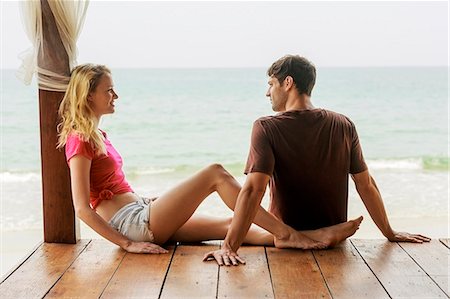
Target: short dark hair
[(299, 68)]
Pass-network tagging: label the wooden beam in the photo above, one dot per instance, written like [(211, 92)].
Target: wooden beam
[(60, 224)]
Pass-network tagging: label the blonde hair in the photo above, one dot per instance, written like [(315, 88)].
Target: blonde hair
[(77, 117)]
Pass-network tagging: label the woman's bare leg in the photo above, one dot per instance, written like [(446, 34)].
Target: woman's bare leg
[(203, 228), (174, 208)]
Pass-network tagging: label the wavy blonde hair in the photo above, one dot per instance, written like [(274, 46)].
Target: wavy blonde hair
[(77, 116)]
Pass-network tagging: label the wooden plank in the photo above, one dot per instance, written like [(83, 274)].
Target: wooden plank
[(41, 270), (399, 274), (139, 276), (337, 263), (251, 280), (90, 273), (295, 274), (60, 223), (188, 276), (446, 242), (21, 262), (434, 259)]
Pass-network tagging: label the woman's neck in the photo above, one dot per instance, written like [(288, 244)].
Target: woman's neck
[(96, 122)]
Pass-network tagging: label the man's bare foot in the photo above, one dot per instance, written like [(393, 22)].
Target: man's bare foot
[(298, 240), (320, 238), (335, 234)]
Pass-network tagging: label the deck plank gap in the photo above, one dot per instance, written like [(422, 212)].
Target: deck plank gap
[(21, 262), (420, 266), (270, 273), (218, 274), (445, 242), (367, 264), (114, 273), (321, 273), (68, 267), (167, 270)]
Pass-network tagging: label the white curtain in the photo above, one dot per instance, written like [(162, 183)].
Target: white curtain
[(69, 18)]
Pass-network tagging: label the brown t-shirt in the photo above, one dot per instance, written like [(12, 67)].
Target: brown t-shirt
[(309, 155)]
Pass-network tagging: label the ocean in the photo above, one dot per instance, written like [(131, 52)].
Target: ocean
[(170, 123)]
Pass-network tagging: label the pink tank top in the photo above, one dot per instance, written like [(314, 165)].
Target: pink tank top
[(106, 175)]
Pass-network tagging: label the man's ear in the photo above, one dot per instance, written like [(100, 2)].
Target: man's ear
[(288, 82)]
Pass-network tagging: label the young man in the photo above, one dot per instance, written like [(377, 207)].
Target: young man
[(306, 155)]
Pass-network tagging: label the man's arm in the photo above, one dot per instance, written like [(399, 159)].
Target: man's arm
[(371, 197), (247, 205)]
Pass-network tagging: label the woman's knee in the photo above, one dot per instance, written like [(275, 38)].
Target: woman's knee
[(214, 168), (218, 173)]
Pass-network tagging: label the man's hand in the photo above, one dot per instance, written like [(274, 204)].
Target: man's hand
[(407, 237), (224, 256), (144, 247)]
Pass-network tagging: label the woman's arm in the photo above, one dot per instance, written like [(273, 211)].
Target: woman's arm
[(79, 175)]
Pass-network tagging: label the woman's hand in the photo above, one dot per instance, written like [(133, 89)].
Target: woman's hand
[(144, 247)]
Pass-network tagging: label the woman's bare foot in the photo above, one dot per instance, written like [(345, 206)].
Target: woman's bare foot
[(335, 234), (298, 240), (320, 238)]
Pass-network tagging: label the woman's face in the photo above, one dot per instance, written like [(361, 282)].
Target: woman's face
[(103, 97)]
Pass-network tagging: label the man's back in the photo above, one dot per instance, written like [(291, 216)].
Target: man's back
[(309, 154)]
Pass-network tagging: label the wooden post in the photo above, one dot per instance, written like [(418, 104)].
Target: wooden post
[(59, 218), (60, 223)]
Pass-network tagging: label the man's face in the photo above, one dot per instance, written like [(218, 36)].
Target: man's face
[(277, 95)]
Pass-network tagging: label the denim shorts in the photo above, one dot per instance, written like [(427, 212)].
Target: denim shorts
[(133, 221)]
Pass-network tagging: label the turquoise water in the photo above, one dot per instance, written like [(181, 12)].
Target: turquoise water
[(171, 122), (177, 119)]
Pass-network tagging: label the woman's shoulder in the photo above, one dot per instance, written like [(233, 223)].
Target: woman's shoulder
[(76, 140), (79, 137), (77, 144), (76, 137)]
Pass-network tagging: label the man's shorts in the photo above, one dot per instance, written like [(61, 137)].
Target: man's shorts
[(133, 221)]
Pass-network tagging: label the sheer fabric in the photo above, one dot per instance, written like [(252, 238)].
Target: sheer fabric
[(53, 27)]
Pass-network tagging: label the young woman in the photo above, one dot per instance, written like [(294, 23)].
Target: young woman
[(106, 202)]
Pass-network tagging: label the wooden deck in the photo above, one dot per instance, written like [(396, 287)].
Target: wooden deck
[(355, 269)]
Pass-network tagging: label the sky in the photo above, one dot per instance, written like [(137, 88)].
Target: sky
[(250, 34)]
